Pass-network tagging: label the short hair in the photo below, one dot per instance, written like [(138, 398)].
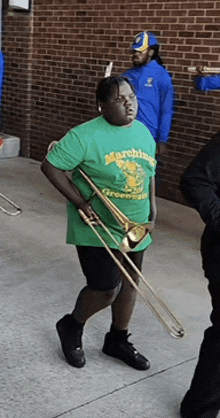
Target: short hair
[(104, 87)]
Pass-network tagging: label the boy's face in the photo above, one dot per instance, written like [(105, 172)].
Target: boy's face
[(121, 107)]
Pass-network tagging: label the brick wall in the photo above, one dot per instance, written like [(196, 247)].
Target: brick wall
[(56, 54), (17, 48)]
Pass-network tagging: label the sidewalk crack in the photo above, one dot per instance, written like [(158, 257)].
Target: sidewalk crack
[(62, 414)]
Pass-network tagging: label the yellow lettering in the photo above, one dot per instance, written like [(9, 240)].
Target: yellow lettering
[(110, 158), (116, 156)]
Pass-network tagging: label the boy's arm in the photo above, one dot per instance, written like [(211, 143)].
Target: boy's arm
[(65, 186)]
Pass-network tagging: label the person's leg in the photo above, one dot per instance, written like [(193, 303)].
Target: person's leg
[(70, 327), (91, 301), (116, 341), (123, 306), (203, 397), (103, 285), (202, 400), (103, 282)]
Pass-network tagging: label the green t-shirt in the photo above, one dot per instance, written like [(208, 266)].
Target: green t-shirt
[(121, 162)]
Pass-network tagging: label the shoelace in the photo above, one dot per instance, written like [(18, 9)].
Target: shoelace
[(129, 345)]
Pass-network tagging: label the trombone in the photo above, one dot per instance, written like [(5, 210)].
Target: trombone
[(134, 234), (18, 210)]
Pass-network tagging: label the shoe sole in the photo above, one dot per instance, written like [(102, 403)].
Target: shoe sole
[(126, 362)]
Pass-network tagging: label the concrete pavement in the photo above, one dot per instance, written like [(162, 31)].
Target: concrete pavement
[(40, 280)]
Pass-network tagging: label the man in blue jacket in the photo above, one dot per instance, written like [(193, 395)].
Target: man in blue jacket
[(153, 87)]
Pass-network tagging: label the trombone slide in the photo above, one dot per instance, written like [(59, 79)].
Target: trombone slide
[(204, 70), (155, 303), (18, 210)]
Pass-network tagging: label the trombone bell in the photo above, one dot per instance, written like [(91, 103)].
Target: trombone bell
[(135, 236), (135, 233)]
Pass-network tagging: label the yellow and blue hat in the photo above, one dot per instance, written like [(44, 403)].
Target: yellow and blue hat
[(143, 40)]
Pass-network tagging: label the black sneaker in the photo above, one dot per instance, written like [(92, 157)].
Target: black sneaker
[(122, 349), (183, 415), (207, 414), (71, 341)]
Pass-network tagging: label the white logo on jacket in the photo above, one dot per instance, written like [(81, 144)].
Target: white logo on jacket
[(149, 82)]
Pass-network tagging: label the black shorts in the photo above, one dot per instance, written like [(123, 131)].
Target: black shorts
[(99, 268)]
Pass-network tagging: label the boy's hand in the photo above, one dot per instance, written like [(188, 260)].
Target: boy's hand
[(88, 215)]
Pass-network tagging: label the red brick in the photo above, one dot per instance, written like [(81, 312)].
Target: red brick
[(212, 27), (201, 49), (188, 5), (171, 6), (163, 13), (187, 20), (210, 43), (196, 12), (206, 4), (203, 34)]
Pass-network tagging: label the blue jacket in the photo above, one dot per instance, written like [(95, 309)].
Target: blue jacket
[(208, 83), (155, 93)]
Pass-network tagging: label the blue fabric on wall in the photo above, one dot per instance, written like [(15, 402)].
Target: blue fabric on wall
[(208, 83)]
